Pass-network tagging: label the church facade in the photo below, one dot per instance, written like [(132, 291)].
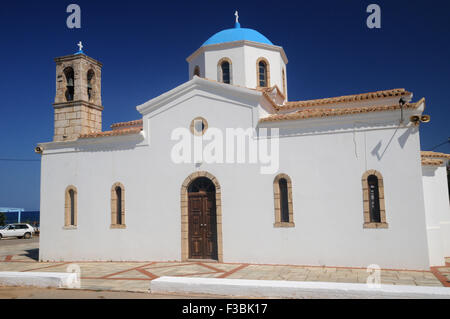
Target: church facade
[(224, 167)]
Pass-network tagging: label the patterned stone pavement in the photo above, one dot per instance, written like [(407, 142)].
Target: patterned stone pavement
[(136, 276)]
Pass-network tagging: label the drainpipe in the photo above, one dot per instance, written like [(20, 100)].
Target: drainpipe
[(402, 102)]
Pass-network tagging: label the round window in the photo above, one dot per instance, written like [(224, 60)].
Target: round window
[(199, 126)]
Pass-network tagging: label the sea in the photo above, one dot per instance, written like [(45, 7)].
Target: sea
[(29, 217)]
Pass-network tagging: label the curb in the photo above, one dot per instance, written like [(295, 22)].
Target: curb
[(39, 279), (291, 289)]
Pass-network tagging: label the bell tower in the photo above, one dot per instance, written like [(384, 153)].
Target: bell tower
[(78, 102)]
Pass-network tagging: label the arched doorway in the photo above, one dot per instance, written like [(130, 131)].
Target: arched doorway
[(201, 218), (202, 227)]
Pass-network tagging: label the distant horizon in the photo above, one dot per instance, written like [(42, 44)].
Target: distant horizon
[(26, 217), (143, 47)]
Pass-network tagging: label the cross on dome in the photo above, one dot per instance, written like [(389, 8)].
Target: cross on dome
[(237, 24)]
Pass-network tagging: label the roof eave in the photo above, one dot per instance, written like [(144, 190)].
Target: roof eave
[(226, 45), (91, 140), (347, 99), (339, 113), (195, 83)]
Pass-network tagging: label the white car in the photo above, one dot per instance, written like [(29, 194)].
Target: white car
[(17, 230)]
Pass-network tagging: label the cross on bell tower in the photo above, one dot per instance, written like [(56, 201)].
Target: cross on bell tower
[(78, 102)]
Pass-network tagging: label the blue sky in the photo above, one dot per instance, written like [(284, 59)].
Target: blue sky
[(143, 46)]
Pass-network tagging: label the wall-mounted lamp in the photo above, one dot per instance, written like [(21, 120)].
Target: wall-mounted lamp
[(38, 150)]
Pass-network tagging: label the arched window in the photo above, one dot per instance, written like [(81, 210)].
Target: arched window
[(70, 83), (373, 200), (72, 206), (70, 216), (117, 206), (263, 74), (283, 74), (282, 188), (90, 80), (284, 204), (224, 71), (197, 70)]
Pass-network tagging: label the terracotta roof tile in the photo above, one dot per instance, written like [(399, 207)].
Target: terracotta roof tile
[(308, 103), (345, 98), (133, 130), (270, 89), (425, 154), (317, 113), (432, 162), (121, 125), (268, 98)]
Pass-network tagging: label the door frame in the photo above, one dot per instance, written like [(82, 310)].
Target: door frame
[(205, 198), (185, 214)]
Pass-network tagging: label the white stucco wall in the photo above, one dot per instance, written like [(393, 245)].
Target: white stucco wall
[(324, 158), (243, 58), (199, 61), (437, 212)]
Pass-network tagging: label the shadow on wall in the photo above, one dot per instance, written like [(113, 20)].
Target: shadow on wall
[(429, 171), (402, 139), (127, 144), (322, 130)]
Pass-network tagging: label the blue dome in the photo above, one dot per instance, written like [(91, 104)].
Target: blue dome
[(237, 34)]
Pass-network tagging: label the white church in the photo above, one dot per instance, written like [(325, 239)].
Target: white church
[(225, 167)]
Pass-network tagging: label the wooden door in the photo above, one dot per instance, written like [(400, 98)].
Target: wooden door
[(202, 226)]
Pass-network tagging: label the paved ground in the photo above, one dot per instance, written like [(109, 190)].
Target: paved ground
[(22, 255), (15, 241), (51, 293)]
